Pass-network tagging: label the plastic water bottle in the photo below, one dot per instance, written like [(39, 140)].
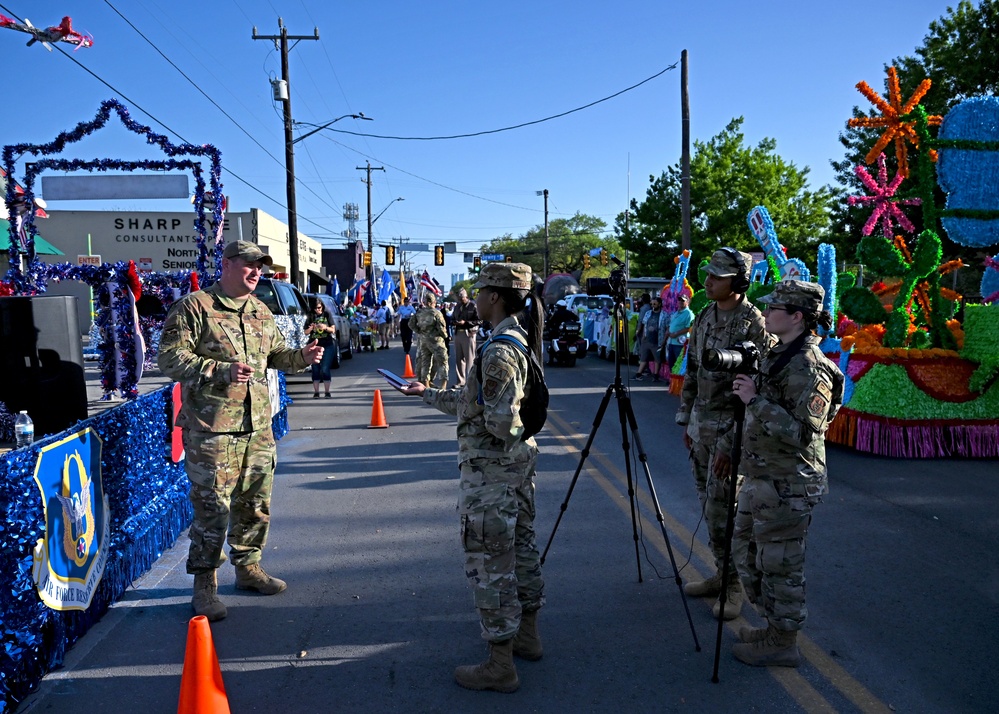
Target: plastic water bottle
[(24, 429)]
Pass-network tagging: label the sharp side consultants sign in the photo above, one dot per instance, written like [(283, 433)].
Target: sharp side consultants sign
[(69, 560)]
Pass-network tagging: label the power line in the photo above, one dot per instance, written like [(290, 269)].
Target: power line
[(515, 126)]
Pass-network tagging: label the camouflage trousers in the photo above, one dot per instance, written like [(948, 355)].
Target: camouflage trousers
[(231, 477), (502, 563), (431, 363), (713, 493), (771, 525)]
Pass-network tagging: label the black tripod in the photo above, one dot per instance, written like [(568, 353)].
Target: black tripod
[(626, 416)]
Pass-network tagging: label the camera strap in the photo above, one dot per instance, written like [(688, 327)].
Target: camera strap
[(784, 358)]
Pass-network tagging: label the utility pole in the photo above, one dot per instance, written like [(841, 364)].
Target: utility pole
[(545, 194), (281, 44), (367, 181), (684, 155)]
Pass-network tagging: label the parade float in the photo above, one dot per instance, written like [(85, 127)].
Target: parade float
[(921, 361), (88, 510), (921, 377)]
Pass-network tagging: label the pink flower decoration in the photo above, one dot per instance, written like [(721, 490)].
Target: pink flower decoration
[(886, 206)]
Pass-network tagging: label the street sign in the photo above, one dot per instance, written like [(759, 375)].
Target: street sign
[(88, 260), (493, 257)]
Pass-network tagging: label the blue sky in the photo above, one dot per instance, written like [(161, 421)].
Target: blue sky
[(444, 68)]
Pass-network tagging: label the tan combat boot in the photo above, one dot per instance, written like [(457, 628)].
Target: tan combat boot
[(733, 602), (497, 673), (253, 577), (779, 648), (752, 634), (527, 641), (704, 588), (206, 597)]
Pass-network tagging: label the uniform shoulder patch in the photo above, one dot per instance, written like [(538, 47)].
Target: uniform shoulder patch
[(490, 389), (818, 405)]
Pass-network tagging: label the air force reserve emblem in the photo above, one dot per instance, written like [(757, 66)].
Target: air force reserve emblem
[(69, 560)]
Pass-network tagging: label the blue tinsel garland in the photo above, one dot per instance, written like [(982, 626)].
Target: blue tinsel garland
[(30, 282), (148, 496)]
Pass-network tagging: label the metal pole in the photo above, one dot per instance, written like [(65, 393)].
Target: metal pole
[(281, 42), (289, 162), (546, 235), (685, 155)]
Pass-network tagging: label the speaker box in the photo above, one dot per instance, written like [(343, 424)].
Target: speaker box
[(41, 361)]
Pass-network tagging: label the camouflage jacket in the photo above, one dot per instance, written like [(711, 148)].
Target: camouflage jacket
[(493, 428), (428, 323), (787, 420), (204, 333), (706, 406)]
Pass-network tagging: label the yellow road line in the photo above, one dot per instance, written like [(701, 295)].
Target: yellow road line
[(792, 681)]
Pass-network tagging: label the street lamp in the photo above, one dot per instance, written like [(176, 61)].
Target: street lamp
[(545, 194), (289, 161), (359, 115), (385, 209)]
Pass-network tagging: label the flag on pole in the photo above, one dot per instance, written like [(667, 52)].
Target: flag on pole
[(403, 292), (387, 286), (430, 284)]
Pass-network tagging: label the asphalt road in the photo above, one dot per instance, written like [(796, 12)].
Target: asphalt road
[(903, 581)]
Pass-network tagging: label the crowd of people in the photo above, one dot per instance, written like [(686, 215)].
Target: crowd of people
[(785, 402)]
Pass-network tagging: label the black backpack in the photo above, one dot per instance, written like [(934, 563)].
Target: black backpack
[(534, 408)]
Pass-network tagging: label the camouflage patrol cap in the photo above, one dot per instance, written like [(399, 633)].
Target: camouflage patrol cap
[(728, 262), (505, 275), (250, 252), (807, 296)]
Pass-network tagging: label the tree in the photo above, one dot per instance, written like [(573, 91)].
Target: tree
[(960, 55), (727, 178), (569, 239)]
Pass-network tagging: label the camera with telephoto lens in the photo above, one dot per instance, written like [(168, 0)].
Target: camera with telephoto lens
[(743, 358)]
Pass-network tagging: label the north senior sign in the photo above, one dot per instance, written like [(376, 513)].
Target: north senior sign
[(69, 560)]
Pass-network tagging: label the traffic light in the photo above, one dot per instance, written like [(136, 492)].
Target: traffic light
[(438, 255), (476, 263), (367, 259), (586, 262), (390, 255), (603, 256), (509, 259)]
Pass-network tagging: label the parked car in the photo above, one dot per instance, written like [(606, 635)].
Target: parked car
[(289, 306), (341, 325)]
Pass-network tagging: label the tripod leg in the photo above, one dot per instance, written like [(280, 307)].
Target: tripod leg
[(623, 407), (579, 467), (644, 460)]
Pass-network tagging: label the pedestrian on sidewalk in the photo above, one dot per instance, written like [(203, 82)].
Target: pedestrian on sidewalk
[(497, 468), (218, 343)]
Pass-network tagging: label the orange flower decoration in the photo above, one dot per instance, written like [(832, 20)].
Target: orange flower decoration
[(892, 111)]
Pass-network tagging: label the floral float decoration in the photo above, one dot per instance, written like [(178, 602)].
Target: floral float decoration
[(920, 383)]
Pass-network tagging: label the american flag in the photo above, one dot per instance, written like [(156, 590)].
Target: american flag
[(430, 284)]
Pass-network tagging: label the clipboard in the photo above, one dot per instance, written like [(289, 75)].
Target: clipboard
[(394, 379)]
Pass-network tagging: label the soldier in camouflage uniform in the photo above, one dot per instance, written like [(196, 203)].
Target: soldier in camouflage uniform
[(789, 406), (431, 352), (707, 409), (218, 343), (497, 466)]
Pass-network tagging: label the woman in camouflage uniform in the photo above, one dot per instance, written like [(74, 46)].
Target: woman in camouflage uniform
[(789, 406), (497, 479)]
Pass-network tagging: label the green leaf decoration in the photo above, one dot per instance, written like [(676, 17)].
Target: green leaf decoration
[(882, 256), (862, 306)]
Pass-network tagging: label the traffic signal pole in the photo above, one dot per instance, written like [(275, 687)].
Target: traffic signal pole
[(369, 168)]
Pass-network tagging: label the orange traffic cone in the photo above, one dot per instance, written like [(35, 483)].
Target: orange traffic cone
[(201, 688), (408, 374), (377, 413)]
